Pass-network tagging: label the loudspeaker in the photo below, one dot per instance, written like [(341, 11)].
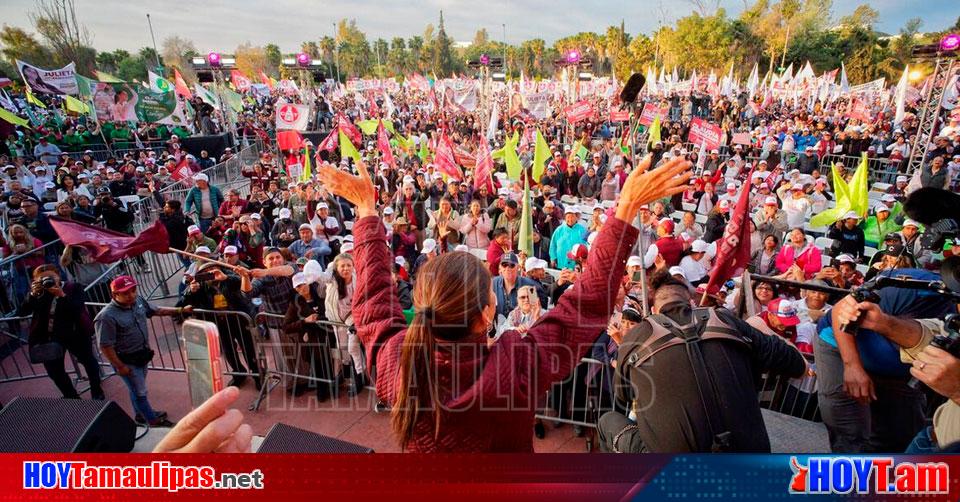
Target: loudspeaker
[(283, 438), (50, 425), (633, 87)]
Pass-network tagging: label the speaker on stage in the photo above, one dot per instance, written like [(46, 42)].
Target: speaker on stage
[(51, 425), (283, 438)]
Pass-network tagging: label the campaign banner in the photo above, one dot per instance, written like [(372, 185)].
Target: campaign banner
[(40, 81), (651, 111), (463, 94), (538, 104), (160, 108), (860, 111), (702, 131), (872, 86), (578, 111), (292, 116), (116, 101), (619, 115), (741, 138)]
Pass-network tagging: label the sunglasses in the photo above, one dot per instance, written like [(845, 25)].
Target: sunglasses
[(523, 297), (508, 265)]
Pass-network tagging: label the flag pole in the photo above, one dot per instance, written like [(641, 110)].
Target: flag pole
[(207, 259)]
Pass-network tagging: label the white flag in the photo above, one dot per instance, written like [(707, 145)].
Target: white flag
[(494, 120), (159, 84), (901, 96), (293, 116), (206, 95)]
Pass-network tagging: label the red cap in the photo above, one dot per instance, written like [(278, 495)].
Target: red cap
[(784, 310), (123, 283), (578, 252), (667, 225)]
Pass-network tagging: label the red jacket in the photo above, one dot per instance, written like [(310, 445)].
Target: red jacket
[(670, 248), (492, 409)]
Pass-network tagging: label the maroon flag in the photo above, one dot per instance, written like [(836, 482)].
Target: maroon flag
[(331, 142), (772, 178), (384, 145), (445, 159), (108, 246), (372, 105), (733, 250), (344, 124), (484, 171), (289, 140)]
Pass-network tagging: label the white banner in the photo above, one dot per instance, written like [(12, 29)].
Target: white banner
[(293, 116), (40, 81), (538, 104)]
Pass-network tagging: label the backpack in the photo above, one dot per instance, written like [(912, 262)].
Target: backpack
[(704, 325)]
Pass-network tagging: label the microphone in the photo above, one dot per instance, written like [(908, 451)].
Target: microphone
[(633, 87)]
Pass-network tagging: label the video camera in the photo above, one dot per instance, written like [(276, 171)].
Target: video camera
[(939, 211)]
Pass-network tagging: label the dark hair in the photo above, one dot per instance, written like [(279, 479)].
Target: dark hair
[(497, 232), (756, 284), (449, 295), (174, 204), (512, 204), (46, 267), (776, 240), (341, 282)]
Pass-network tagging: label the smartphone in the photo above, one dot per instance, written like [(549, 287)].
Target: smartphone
[(201, 347), (636, 276)]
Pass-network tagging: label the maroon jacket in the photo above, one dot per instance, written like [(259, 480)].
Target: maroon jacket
[(492, 407)]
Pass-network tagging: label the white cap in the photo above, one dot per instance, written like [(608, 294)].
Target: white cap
[(724, 204), (731, 186), (230, 250), (305, 226), (255, 216), (285, 213), (714, 151), (880, 207), (533, 263), (635, 261), (462, 248), (200, 177), (313, 269), (429, 245), (193, 229), (300, 278), (346, 247), (202, 249), (901, 179), (845, 258), (140, 169), (677, 271), (400, 261), (41, 168), (699, 246), (909, 222), (49, 184), (759, 176), (322, 205), (388, 210), (571, 209), (82, 176), (888, 198), (851, 215), (770, 201)]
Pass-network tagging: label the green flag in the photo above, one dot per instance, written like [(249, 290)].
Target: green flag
[(106, 77), (541, 155), (369, 127), (423, 153), (857, 189), (233, 100), (655, 130), (307, 167), (525, 237), (13, 119), (833, 214), (510, 158), (347, 149)]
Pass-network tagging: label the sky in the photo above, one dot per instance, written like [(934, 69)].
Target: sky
[(221, 25)]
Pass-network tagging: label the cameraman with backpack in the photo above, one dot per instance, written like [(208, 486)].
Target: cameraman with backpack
[(692, 375)]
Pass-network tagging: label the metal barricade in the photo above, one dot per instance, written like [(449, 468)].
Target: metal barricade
[(291, 358), (796, 397), (581, 398)]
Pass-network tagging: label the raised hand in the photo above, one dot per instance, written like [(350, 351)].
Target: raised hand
[(359, 190), (643, 186)]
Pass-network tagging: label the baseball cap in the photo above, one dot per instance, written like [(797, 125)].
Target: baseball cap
[(122, 284), (731, 186), (255, 216), (300, 279), (230, 250), (509, 258), (200, 177), (388, 210), (888, 198), (667, 225), (285, 213), (460, 247), (724, 204), (770, 201), (677, 271), (845, 258), (901, 179), (429, 245), (699, 246), (851, 215), (894, 249), (784, 310), (305, 226), (635, 261), (400, 261), (892, 236), (193, 229), (571, 209), (533, 263), (322, 205), (911, 223), (578, 252), (202, 249)]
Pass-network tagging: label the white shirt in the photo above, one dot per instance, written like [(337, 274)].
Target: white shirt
[(693, 270), (798, 210)]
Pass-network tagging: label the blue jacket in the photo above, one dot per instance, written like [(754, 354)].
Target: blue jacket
[(506, 302), (563, 239), (194, 200)]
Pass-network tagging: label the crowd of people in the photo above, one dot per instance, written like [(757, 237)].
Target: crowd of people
[(308, 251)]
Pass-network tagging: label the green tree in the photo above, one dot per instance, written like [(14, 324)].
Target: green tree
[(177, 53), (353, 49), (697, 42), (18, 44), (416, 54), (274, 59), (441, 56), (397, 57)]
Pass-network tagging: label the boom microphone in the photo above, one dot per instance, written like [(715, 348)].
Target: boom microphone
[(632, 88), (929, 205)]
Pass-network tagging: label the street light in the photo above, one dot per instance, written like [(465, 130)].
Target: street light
[(214, 60), (304, 59), (950, 42), (915, 75), (573, 57)]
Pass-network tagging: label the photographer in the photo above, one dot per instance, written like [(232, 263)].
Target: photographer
[(936, 368), (692, 375), (114, 216), (60, 322), (865, 401)]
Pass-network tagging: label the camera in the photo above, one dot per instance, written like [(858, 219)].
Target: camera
[(48, 282), (203, 277)]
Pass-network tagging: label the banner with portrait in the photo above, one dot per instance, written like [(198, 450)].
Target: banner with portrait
[(40, 81), (128, 102)]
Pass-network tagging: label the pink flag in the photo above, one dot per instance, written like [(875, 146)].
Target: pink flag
[(352, 132), (180, 85), (484, 171), (108, 246), (239, 80), (331, 142), (733, 250), (384, 145), (772, 178), (444, 158)]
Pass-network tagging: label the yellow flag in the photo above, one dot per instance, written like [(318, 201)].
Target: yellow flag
[(857, 190), (840, 191), (13, 119), (34, 101), (347, 149), (307, 167), (541, 155), (75, 105), (655, 130)]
